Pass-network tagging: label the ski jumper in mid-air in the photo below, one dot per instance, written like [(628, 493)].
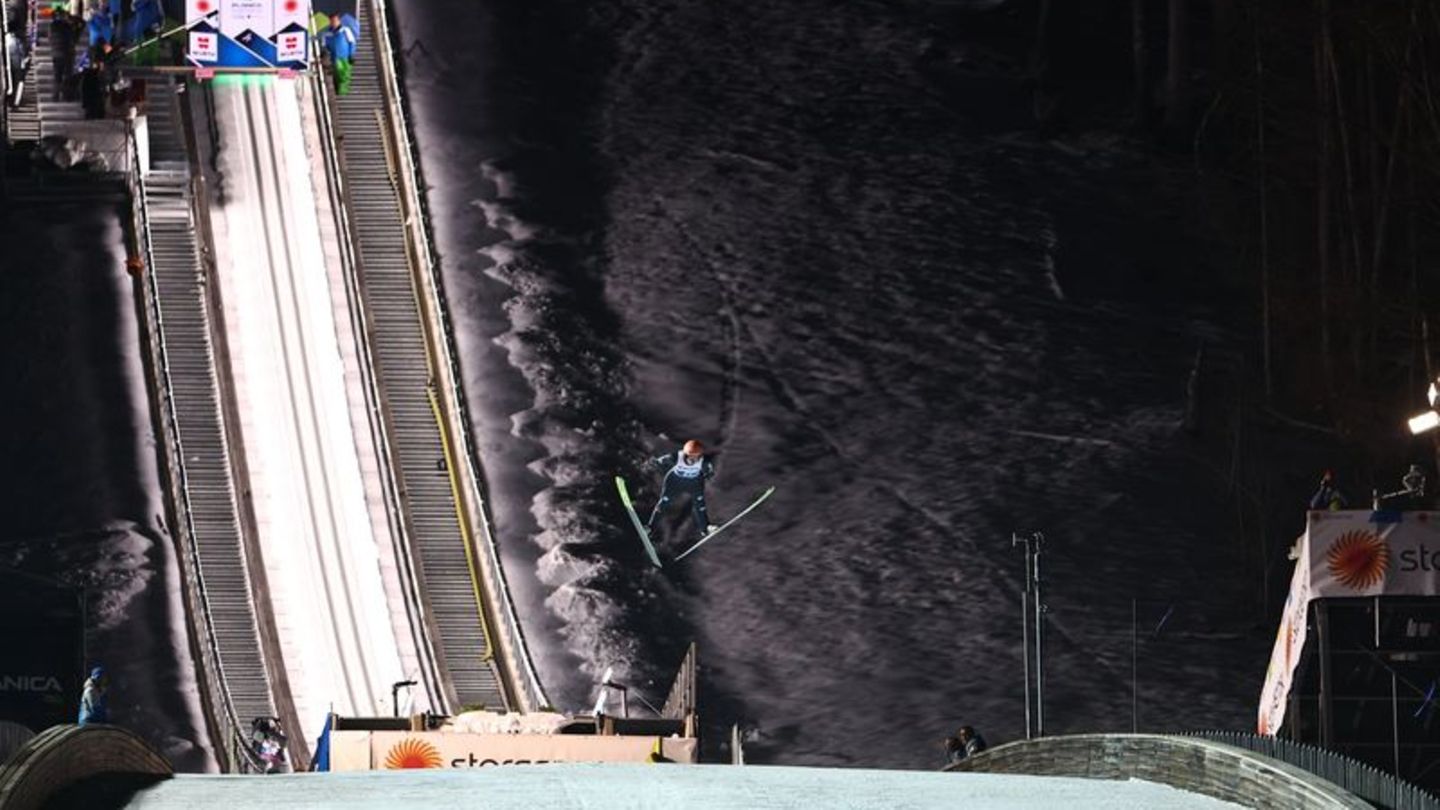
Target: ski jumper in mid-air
[(686, 473)]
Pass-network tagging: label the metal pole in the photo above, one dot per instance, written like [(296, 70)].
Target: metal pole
[(1326, 710), (1395, 727), (1025, 628), (1039, 643), (1134, 670)]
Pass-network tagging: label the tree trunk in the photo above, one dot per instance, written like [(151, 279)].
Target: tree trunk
[(1322, 191), (1225, 44), (1177, 78), (1140, 62), (1045, 98), (1262, 171)]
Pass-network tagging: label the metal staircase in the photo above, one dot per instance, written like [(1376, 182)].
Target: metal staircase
[(192, 403), (450, 576), (40, 116)]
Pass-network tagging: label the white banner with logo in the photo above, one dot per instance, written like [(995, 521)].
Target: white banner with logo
[(289, 30), (239, 18), (1374, 553), (197, 10), (392, 750), (1348, 554), (1289, 642), (253, 35), (204, 46)]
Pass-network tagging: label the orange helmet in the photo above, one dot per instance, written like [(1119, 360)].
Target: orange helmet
[(693, 448)]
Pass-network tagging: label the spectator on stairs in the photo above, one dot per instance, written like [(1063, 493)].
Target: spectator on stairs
[(64, 33), (99, 27), (339, 42), (95, 81)]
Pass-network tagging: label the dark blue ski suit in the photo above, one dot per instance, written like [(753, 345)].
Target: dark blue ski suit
[(683, 477)]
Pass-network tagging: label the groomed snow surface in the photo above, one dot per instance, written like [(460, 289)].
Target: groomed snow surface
[(666, 787), (320, 547)]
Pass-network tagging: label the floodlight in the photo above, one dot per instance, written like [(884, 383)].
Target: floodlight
[(1433, 394), (1425, 421)]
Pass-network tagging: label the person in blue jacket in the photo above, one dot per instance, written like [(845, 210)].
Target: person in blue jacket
[(339, 41), (95, 699), (100, 28), (115, 9), (146, 17), (686, 473)]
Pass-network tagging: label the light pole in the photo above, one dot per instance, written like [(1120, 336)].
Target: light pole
[(1032, 605)]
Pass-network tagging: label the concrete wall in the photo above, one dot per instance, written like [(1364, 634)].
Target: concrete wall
[(63, 759), (1199, 766)]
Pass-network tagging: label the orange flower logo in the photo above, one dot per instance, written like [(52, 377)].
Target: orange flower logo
[(1358, 559), (412, 753)]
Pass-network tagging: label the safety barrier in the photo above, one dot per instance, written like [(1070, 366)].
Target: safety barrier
[(54, 767), (1195, 765), (1364, 780)]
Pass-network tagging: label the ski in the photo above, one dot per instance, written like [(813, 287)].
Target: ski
[(635, 519), (727, 524)]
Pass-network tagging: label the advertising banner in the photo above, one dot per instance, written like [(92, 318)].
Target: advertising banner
[(248, 34), (1348, 554), (1289, 641), (392, 750), (1374, 553), (42, 633), (201, 11), (289, 33), (204, 46)]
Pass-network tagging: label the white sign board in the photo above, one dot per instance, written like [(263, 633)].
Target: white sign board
[(396, 750), (204, 46)]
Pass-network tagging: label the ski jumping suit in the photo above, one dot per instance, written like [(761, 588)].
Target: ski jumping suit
[(684, 477)]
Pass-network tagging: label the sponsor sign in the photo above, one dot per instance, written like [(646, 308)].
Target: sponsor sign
[(1289, 642), (1353, 554), (264, 35), (290, 46), (240, 18), (397, 750), (200, 10), (1348, 554), (42, 634), (289, 31), (204, 46)]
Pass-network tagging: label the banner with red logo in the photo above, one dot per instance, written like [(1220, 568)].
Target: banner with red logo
[(1347, 554), (198, 10), (263, 35), (1374, 553)]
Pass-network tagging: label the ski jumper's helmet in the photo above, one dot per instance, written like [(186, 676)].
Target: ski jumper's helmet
[(693, 448)]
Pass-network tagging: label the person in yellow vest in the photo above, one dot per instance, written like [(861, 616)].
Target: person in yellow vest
[(687, 470)]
